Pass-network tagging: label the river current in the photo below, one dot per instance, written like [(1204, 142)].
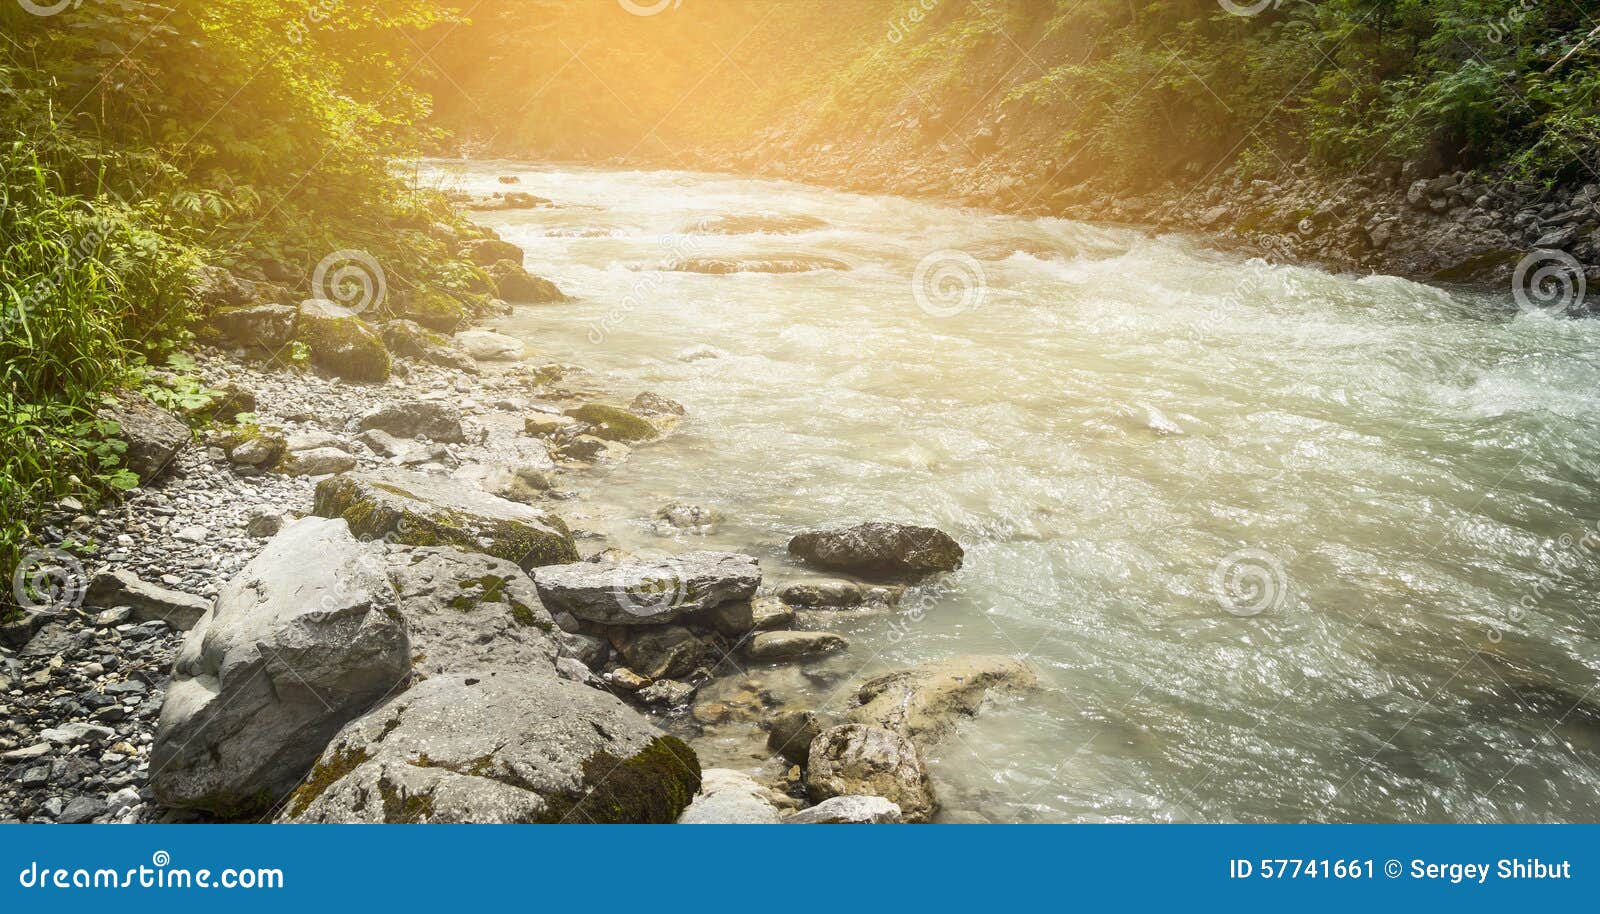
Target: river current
[(1282, 545)]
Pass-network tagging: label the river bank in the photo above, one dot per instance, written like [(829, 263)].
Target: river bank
[(1453, 229)]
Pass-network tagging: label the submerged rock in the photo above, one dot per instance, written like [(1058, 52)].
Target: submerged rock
[(741, 617), (499, 747), (778, 646), (662, 652), (835, 593), (853, 759), (416, 510), (791, 733), (513, 283), (613, 423), (729, 797), (927, 701), (303, 640), (648, 592), (879, 549)]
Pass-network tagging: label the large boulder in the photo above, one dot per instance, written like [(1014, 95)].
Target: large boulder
[(879, 550), (152, 435), (927, 701), (853, 759), (499, 747), (416, 418), (305, 639), (489, 251), (408, 339), (469, 611), (488, 346), (434, 309), (416, 510), (513, 283), (263, 326), (648, 592), (148, 601), (729, 797), (340, 343)]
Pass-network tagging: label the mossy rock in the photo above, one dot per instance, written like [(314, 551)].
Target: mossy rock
[(341, 344), (436, 310), (513, 283), (415, 510), (613, 423)]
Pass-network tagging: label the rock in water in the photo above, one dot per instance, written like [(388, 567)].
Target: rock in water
[(613, 423), (648, 593), (416, 418), (791, 733), (853, 759), (488, 346), (466, 610), (153, 436), (513, 283), (490, 251), (149, 602), (926, 701), (879, 550), (341, 344), (499, 747), (848, 811), (729, 797), (793, 645), (669, 651), (303, 640), (416, 510)]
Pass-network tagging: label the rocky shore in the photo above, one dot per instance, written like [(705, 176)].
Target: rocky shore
[(351, 588), (1431, 225)]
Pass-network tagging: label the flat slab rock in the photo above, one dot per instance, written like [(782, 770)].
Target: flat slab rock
[(499, 747), (858, 810), (467, 610), (149, 601), (730, 797), (648, 592), (153, 436), (925, 702), (412, 509), (879, 550)]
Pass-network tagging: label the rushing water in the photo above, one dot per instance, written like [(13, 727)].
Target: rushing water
[(1139, 441)]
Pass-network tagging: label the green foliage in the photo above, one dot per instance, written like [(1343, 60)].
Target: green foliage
[(143, 139)]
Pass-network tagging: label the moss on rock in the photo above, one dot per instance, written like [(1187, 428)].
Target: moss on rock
[(613, 423)]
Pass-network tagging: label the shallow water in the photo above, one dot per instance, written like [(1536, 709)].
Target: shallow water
[(1283, 545)]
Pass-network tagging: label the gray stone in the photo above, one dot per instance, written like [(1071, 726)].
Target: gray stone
[(499, 747), (263, 521), (435, 421), (153, 436), (147, 602), (923, 703), (667, 693), (467, 610), (81, 810), (313, 440), (790, 733), (853, 759), (882, 550), (74, 733), (269, 327), (341, 344), (729, 798), (648, 592), (304, 639), (414, 509), (488, 346), (322, 461), (855, 810), (777, 646), (568, 668), (586, 649), (382, 443), (741, 617)]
